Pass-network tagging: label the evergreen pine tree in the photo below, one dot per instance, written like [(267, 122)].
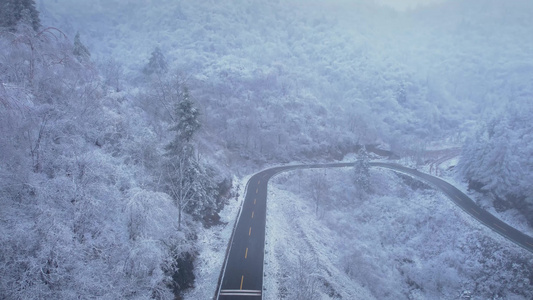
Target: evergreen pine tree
[(401, 94), (188, 182), (80, 51), (187, 120), (12, 11), (157, 63)]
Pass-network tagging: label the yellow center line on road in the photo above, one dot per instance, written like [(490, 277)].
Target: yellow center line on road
[(529, 243), (250, 231), (242, 279), (246, 254), (477, 212), (500, 227), (252, 214)]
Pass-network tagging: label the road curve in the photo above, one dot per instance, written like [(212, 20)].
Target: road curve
[(467, 204), (242, 273)]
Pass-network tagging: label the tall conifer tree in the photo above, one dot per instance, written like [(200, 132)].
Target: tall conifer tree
[(12, 11), (81, 52), (157, 63)]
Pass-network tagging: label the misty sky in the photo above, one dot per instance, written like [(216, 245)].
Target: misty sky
[(406, 4)]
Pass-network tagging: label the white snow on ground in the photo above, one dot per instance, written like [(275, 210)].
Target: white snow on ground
[(212, 245), (511, 216), (446, 171), (397, 243), (298, 262)]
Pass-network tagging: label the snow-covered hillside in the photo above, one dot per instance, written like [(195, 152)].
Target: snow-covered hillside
[(297, 78), (125, 124), (403, 240)]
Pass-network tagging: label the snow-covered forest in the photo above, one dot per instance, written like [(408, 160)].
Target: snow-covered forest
[(123, 124), (399, 239)]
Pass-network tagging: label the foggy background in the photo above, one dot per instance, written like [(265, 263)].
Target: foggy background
[(103, 102)]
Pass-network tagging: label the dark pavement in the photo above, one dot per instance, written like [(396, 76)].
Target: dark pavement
[(242, 276)]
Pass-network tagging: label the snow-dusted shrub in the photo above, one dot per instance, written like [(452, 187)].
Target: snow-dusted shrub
[(498, 159)]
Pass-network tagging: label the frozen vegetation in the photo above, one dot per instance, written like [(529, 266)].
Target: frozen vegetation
[(125, 125), (401, 240)]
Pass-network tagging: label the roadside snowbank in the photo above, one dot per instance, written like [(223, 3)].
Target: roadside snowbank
[(212, 244)]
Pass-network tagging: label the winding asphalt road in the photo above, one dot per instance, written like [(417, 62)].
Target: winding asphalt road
[(242, 274)]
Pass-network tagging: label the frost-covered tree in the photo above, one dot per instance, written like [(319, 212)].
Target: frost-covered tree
[(13, 11), (319, 190), (181, 173), (187, 121), (113, 73), (361, 173), (80, 50), (498, 159), (305, 281), (74, 220), (401, 93), (190, 183), (206, 193), (157, 63)]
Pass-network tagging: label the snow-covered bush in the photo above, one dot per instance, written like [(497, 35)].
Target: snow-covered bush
[(281, 81), (401, 242), (82, 209), (498, 159)]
